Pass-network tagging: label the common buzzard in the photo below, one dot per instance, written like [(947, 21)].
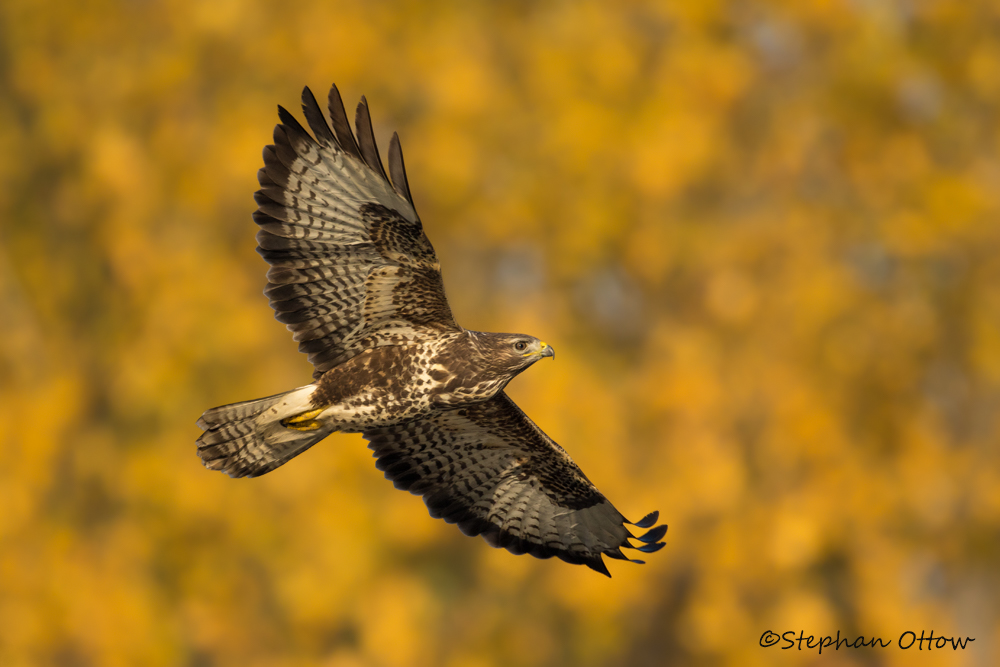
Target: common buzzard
[(358, 284)]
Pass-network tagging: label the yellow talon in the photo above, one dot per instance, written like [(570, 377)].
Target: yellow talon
[(303, 421), (305, 416), (306, 426)]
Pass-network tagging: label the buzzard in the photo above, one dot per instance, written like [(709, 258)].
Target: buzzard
[(355, 279)]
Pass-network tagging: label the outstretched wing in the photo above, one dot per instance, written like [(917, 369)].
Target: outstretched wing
[(491, 470), (351, 268)]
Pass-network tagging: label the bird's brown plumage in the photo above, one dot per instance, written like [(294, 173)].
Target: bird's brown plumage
[(356, 280)]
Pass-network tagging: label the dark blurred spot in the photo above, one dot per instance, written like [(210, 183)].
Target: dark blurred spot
[(946, 271), (519, 272), (69, 655), (925, 578), (611, 302), (200, 658), (920, 98), (872, 265), (778, 44), (345, 635), (947, 387)]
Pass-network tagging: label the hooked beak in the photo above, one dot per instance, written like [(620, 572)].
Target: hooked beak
[(547, 351)]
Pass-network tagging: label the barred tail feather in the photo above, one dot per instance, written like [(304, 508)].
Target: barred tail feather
[(249, 439)]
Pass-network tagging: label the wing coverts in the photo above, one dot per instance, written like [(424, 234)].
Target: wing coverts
[(351, 267), (492, 471)]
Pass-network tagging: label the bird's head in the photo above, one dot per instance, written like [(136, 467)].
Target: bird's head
[(513, 353)]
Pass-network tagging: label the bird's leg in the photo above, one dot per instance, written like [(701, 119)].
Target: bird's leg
[(303, 421)]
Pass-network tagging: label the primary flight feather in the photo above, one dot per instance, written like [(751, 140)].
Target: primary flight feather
[(357, 282)]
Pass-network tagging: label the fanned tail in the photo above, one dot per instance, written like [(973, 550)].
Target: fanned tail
[(251, 438)]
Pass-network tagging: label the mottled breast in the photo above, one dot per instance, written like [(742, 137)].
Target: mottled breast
[(380, 386)]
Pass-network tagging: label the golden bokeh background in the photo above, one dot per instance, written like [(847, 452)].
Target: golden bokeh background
[(763, 237)]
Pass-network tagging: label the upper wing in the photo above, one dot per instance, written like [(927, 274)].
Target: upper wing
[(351, 267), (491, 470)]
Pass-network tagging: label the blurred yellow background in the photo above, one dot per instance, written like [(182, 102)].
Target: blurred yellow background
[(763, 237)]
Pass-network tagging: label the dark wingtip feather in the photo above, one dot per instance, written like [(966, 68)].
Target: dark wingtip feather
[(341, 125), (651, 548), (397, 169), (264, 179), (654, 535), (366, 138), (618, 555), (598, 565), (289, 120), (647, 521), (315, 119)]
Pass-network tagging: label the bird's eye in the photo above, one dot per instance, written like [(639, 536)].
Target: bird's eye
[(520, 345)]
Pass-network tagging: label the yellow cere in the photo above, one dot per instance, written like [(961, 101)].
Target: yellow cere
[(539, 351)]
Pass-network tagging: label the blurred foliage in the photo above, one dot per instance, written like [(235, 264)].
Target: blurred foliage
[(763, 237)]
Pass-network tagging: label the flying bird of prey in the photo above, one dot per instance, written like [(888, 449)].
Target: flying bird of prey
[(355, 279)]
